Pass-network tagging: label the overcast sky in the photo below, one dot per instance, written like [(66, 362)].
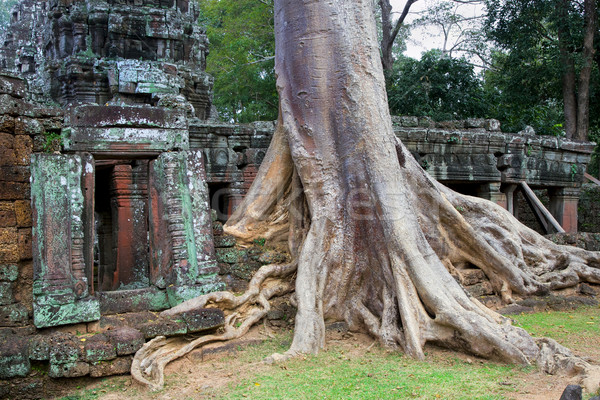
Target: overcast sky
[(422, 39)]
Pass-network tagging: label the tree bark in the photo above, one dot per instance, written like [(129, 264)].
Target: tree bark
[(583, 94), (390, 31), (376, 241)]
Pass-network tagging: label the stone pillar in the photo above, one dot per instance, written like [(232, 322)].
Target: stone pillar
[(130, 228), (511, 203), (491, 191), (563, 206)]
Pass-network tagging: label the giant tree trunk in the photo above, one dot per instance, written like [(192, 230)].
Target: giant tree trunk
[(375, 239)]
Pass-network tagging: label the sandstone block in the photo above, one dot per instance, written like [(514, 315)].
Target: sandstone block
[(14, 357), (6, 293), (69, 370), (126, 340), (25, 241), (99, 348), (13, 315), (8, 217), (23, 213), (13, 190), (119, 366), (23, 149)]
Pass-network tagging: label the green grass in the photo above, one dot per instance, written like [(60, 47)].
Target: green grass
[(574, 329)]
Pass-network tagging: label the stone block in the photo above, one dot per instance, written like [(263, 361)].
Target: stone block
[(8, 218), (25, 240), (203, 319), (9, 235), (7, 140), (39, 347), (14, 173), (230, 255), (47, 311), (163, 327), (28, 126), (69, 370), (244, 270), (7, 156), (7, 123), (23, 213), (65, 349), (472, 276), (23, 147), (99, 348), (9, 272), (14, 357), (272, 257), (13, 315), (6, 293), (119, 366), (13, 190), (13, 86), (224, 240), (126, 340)]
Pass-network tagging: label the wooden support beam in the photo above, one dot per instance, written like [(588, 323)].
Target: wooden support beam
[(541, 211), (591, 178)]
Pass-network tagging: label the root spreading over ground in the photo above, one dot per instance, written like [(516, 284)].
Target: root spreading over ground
[(375, 241)]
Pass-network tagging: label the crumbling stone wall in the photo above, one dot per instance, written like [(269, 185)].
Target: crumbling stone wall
[(25, 128)]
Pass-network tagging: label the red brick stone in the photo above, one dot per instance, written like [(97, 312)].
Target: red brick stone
[(23, 149), (25, 239), (23, 213), (7, 214), (14, 190)]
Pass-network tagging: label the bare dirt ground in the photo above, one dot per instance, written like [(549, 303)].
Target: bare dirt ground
[(207, 373)]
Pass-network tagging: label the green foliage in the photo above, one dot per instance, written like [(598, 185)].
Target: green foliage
[(524, 84), (437, 86), (242, 45)]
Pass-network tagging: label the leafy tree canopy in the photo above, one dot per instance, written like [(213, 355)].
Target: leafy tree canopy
[(437, 86), (242, 46)]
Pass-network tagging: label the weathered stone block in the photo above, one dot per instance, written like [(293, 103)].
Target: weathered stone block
[(244, 270), (7, 156), (8, 218), (9, 253), (65, 349), (203, 319), (23, 148), (472, 276), (230, 255), (126, 340), (119, 366), (25, 239), (23, 213), (6, 293), (9, 272), (28, 126), (39, 347), (46, 315), (99, 348), (14, 357), (13, 190), (179, 294), (163, 327), (7, 123), (272, 257), (6, 140), (224, 241), (9, 235), (14, 173), (121, 301), (13, 86), (69, 370), (13, 315)]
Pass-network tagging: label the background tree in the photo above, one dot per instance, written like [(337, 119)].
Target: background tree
[(373, 238), (242, 47), (390, 29), (437, 86), (562, 29)]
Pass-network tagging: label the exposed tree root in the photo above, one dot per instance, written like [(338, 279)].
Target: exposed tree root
[(241, 313)]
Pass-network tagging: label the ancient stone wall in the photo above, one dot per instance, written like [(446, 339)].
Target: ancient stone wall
[(25, 128)]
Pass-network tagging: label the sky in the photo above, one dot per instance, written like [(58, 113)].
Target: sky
[(423, 39)]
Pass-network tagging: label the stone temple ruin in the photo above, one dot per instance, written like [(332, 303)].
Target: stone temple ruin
[(111, 159)]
